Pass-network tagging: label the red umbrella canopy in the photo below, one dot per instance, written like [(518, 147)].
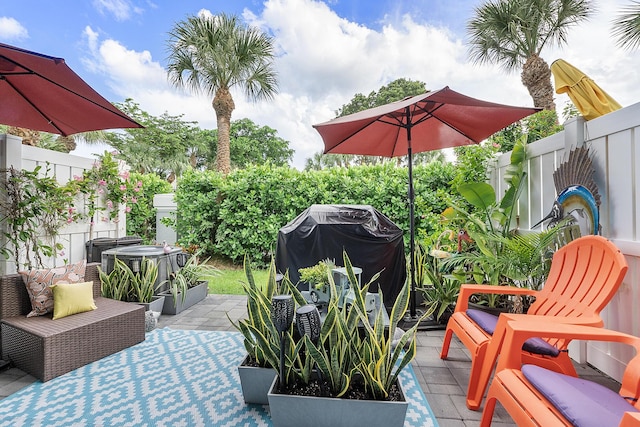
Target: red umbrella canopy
[(41, 92), (431, 121)]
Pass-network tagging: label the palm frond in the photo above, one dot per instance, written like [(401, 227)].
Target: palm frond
[(626, 27)]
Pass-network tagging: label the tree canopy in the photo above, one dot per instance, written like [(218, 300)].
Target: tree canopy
[(168, 145), (251, 144)]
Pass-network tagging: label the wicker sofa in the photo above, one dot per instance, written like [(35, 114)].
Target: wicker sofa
[(47, 348)]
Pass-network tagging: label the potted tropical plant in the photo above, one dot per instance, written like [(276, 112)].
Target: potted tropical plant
[(500, 253), (261, 339), (188, 285), (439, 290), (357, 366), (124, 284), (317, 277)]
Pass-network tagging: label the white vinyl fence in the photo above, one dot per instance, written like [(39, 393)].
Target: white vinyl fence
[(613, 142), (64, 167)]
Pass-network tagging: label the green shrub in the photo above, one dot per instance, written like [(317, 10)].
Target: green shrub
[(240, 214), (141, 220)]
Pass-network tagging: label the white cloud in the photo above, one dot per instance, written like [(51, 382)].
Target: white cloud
[(11, 29), (120, 9), (324, 60)]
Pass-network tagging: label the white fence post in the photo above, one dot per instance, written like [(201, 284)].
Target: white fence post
[(10, 155), (166, 207)]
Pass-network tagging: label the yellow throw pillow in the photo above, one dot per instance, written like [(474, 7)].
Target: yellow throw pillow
[(39, 283), (72, 298)]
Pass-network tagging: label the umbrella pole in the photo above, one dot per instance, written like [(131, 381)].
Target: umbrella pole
[(412, 302)]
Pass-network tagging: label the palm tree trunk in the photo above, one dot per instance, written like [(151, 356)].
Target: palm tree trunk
[(223, 105), (536, 76)]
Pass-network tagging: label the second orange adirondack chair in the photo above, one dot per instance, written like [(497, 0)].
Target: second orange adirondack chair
[(585, 274), (535, 396)]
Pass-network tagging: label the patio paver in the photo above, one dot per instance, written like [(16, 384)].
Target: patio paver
[(444, 382)]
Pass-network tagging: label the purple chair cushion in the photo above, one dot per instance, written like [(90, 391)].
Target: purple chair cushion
[(487, 322), (583, 403)]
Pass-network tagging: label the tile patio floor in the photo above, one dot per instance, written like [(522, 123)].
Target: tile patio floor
[(443, 381)]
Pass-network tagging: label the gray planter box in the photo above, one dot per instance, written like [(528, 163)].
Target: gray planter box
[(295, 411), (194, 296), (156, 304), (255, 383)]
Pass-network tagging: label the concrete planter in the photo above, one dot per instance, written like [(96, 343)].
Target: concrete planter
[(294, 411), (255, 383), (194, 296), (156, 304)]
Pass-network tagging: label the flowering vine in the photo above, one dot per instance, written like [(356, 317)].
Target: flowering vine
[(36, 207), (105, 187)]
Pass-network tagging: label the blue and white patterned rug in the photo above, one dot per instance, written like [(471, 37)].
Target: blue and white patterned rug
[(173, 378)]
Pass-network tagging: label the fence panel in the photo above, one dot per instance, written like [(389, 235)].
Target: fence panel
[(616, 158), (64, 167)]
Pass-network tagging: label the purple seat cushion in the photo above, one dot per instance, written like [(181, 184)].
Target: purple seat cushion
[(583, 403), (487, 322)]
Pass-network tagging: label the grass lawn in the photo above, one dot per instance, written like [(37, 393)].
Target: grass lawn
[(230, 281)]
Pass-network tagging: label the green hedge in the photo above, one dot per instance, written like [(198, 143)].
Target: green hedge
[(141, 221), (242, 213)]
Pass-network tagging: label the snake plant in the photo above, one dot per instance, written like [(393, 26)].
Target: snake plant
[(261, 339)]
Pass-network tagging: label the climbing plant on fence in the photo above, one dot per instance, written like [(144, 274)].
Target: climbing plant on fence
[(241, 213), (35, 207), (141, 218)]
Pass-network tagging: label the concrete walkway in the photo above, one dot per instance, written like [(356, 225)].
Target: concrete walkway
[(443, 381)]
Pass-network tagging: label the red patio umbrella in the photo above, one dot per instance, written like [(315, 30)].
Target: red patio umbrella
[(427, 122), (41, 92)]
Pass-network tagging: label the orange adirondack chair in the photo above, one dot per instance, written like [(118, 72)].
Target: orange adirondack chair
[(535, 396), (584, 276)]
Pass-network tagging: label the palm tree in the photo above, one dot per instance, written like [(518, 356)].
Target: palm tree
[(626, 27), (211, 55), (512, 33)]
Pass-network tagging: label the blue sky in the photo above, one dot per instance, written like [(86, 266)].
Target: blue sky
[(327, 52)]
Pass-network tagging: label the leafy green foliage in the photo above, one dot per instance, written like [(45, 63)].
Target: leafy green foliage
[(261, 338), (317, 275), (508, 32), (37, 206), (34, 208), (499, 254), (343, 351), (123, 284), (350, 342), (472, 163), (537, 126), (439, 289), (242, 213), (141, 220), (394, 91), (626, 28), (193, 272), (251, 144), (540, 125), (166, 146)]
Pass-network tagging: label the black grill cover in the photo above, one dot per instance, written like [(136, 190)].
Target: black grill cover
[(371, 241)]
